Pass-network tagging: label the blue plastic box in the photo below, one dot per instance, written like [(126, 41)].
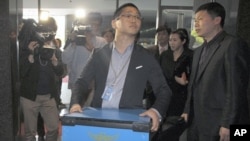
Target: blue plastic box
[(106, 125)]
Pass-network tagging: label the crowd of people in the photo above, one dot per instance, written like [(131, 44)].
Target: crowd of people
[(203, 91)]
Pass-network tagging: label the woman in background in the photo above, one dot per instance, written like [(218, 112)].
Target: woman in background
[(176, 66)]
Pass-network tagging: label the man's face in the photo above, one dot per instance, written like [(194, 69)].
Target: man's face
[(162, 37), (205, 24), (129, 21), (95, 26)]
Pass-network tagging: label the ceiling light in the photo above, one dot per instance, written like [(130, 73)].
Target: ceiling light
[(80, 13), (44, 15)]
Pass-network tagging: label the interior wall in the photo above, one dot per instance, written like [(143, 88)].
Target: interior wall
[(243, 28), (9, 115), (6, 116)]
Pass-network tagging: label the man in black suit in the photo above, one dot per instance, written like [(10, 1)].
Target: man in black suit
[(219, 78), (162, 34), (121, 71)]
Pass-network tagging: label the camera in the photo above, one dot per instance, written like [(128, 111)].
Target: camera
[(41, 33), (46, 52), (80, 28)]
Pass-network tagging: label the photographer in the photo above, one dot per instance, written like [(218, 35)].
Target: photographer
[(82, 41), (39, 67)]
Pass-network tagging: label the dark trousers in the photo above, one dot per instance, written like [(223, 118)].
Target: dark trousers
[(171, 130), (193, 134), (58, 95), (173, 133)]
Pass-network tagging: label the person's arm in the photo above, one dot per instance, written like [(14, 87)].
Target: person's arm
[(27, 58), (186, 110), (81, 86), (57, 64), (181, 80), (182, 70), (237, 74), (160, 88), (162, 93), (155, 116), (68, 54)]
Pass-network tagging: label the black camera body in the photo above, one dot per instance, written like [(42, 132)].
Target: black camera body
[(41, 33), (45, 52), (80, 28)]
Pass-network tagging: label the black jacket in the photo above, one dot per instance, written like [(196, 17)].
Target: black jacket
[(217, 91), (29, 75), (143, 68)]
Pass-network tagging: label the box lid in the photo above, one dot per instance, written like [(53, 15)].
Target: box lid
[(114, 118)]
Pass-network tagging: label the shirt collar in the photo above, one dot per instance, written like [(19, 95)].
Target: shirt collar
[(216, 38), (128, 49)]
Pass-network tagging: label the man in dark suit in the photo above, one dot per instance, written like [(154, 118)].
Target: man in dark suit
[(162, 35), (219, 78), (121, 71)]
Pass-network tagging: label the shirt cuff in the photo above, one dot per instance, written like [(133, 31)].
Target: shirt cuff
[(159, 115)]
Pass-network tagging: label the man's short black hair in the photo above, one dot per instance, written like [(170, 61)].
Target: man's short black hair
[(118, 11), (49, 23), (215, 10), (163, 28)]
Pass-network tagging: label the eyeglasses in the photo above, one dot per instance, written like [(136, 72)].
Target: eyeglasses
[(130, 17)]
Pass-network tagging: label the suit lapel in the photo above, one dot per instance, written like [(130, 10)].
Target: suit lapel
[(133, 61), (195, 63), (105, 57), (213, 49)]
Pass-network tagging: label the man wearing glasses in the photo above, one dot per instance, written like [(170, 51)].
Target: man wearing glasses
[(122, 70)]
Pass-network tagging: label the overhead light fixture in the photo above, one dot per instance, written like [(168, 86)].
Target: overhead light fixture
[(80, 13), (44, 15)]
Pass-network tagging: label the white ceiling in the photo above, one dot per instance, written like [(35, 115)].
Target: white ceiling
[(64, 7), (148, 8)]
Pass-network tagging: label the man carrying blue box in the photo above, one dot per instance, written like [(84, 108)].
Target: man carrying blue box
[(121, 71)]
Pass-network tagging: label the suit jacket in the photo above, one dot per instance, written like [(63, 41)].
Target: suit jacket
[(29, 75), (143, 68), (172, 68), (217, 93)]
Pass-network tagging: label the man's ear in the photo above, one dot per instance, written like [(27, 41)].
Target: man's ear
[(113, 24), (217, 20), (184, 41)]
